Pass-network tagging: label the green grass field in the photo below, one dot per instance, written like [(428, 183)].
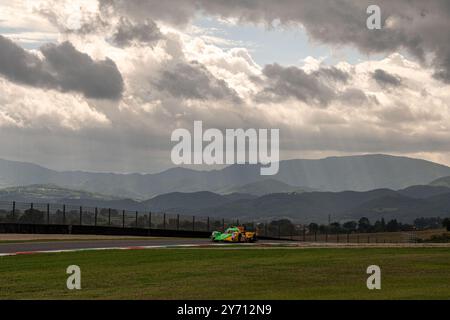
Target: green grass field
[(420, 273)]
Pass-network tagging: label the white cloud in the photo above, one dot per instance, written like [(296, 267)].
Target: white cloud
[(360, 116), (33, 108)]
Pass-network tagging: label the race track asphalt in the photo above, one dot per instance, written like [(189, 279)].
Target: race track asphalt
[(18, 248), (21, 247)]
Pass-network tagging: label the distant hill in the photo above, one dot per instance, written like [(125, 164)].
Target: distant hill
[(441, 182), (360, 173), (264, 187), (315, 207), (404, 205), (191, 202), (308, 206), (355, 173), (48, 193), (396, 206), (424, 191), (55, 194)]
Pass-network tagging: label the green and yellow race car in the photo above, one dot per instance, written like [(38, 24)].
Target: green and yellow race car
[(234, 234)]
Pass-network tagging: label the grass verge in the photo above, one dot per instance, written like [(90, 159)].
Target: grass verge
[(409, 273)]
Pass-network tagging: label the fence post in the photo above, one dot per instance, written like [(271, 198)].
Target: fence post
[(178, 222), (64, 214), (136, 219), (109, 216), (32, 206), (81, 215), (149, 219), (48, 213), (164, 221), (14, 210), (123, 218), (193, 223), (95, 217)]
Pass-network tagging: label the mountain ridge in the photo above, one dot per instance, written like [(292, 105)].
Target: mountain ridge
[(357, 173), (404, 205)]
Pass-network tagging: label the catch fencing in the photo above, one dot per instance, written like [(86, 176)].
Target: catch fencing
[(13, 212), (94, 220)]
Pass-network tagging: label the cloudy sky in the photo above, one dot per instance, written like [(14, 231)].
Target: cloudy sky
[(100, 85)]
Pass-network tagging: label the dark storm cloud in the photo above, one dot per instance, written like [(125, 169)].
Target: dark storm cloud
[(178, 12), (333, 74), (124, 33), (63, 68), (77, 71), (443, 65), (355, 96), (127, 32), (293, 82), (318, 87), (191, 80), (384, 78), (18, 65), (421, 27), (87, 26)]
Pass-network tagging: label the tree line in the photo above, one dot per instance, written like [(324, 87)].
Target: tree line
[(363, 225)]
